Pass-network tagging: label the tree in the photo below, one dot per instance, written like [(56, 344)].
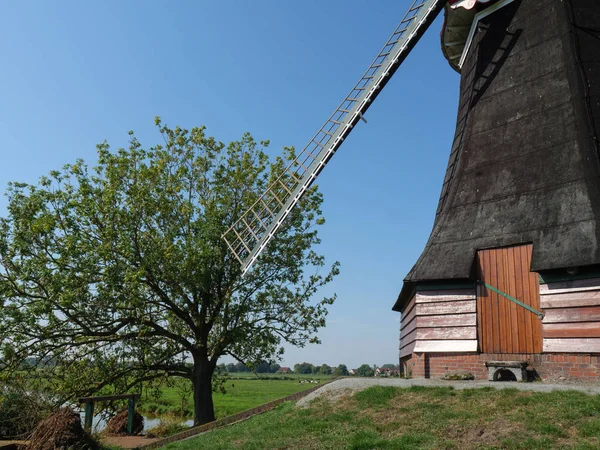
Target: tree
[(241, 367), (262, 367), (325, 369), (230, 368), (340, 371), (119, 272), (389, 366), (273, 368), (304, 368), (365, 371)]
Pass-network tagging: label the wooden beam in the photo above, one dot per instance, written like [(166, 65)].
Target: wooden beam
[(450, 333), (407, 350), (446, 346), (408, 328), (405, 320), (103, 398), (571, 299), (410, 337), (572, 330), (458, 307), (445, 296), (450, 320), (590, 284), (584, 345), (582, 314)]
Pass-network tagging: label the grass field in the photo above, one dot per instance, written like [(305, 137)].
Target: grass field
[(242, 393), (420, 418)]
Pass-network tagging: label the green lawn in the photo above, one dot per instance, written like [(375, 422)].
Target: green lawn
[(241, 394), (420, 418)]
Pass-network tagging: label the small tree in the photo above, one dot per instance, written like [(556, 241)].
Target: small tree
[(263, 367), (119, 273), (325, 369), (365, 371), (304, 368), (340, 371)]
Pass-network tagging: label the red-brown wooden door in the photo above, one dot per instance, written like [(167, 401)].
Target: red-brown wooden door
[(502, 325)]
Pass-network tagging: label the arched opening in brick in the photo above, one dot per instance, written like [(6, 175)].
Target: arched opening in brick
[(504, 375)]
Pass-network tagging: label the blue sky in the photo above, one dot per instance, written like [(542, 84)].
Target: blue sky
[(76, 73)]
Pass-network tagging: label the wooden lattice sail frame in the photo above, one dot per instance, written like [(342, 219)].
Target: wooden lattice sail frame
[(251, 233)]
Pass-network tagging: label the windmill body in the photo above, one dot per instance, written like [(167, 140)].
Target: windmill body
[(511, 271), (519, 212)]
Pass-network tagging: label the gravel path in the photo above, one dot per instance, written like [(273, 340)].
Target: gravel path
[(344, 386)]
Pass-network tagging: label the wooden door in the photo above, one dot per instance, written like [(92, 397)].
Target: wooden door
[(502, 325)]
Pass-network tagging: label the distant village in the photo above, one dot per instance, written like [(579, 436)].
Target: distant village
[(365, 370)]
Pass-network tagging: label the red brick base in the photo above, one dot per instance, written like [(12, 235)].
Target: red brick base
[(547, 366)]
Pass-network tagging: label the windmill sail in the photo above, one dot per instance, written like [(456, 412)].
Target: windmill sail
[(248, 237)]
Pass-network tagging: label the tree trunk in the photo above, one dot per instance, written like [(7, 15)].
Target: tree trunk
[(204, 410)]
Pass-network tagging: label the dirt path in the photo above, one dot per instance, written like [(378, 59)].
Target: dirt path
[(347, 385), (128, 441)]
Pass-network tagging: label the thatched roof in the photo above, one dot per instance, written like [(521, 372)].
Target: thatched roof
[(524, 164)]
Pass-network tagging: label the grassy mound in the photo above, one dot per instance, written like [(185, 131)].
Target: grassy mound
[(420, 418)]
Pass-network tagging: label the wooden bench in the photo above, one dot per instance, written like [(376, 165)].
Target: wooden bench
[(89, 408), (517, 368)]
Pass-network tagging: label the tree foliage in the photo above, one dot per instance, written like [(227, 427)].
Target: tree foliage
[(304, 368), (340, 371), (118, 273), (365, 371)]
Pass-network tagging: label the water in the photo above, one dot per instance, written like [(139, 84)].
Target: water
[(99, 423)]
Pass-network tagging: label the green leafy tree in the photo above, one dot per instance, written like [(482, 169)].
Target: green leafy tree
[(341, 371), (365, 371), (241, 367), (118, 273), (325, 369), (304, 368), (263, 367), (273, 368)]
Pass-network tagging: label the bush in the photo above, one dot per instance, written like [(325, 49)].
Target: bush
[(167, 426), (22, 411)]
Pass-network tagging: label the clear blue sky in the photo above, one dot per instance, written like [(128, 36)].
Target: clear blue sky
[(76, 73)]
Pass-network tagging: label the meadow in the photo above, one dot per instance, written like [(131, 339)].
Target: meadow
[(242, 391), (420, 418)]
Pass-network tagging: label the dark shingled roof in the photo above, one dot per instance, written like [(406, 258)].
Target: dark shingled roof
[(524, 164)]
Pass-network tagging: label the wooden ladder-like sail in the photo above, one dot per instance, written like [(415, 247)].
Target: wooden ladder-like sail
[(248, 237)]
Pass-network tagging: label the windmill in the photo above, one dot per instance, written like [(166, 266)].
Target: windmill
[(510, 275)]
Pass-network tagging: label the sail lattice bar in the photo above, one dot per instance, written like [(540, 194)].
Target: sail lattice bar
[(248, 237)]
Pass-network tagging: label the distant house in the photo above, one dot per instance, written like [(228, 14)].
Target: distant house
[(385, 372), (352, 372), (284, 370)]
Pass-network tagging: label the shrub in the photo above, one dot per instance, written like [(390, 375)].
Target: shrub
[(167, 426), (21, 411)]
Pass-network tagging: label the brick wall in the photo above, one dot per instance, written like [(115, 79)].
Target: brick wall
[(548, 366)]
